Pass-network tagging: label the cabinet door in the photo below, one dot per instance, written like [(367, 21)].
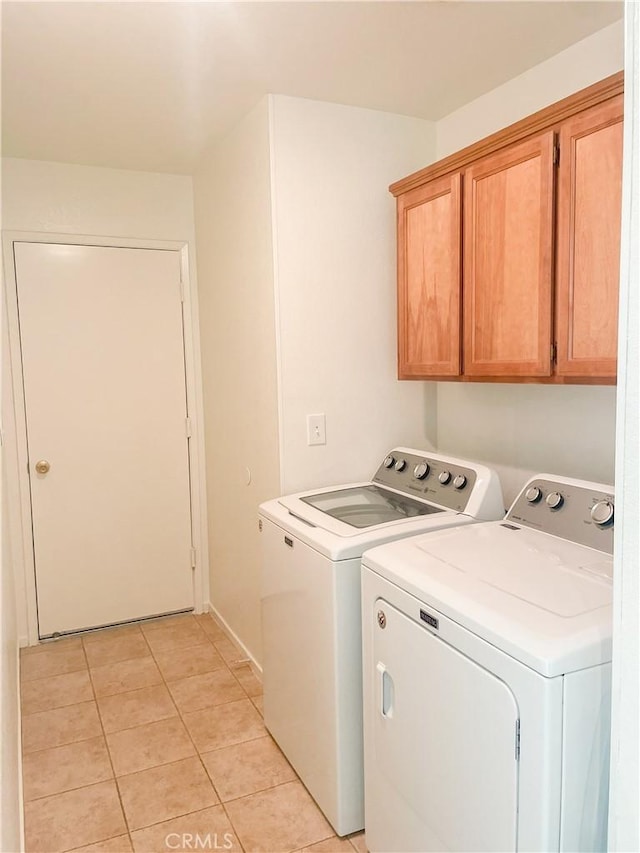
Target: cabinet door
[(429, 247), (508, 220), (588, 256)]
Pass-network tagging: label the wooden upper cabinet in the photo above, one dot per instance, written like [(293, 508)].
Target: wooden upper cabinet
[(588, 254), (508, 261), (429, 247), (508, 256)]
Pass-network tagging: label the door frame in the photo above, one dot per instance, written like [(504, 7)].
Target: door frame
[(15, 424)]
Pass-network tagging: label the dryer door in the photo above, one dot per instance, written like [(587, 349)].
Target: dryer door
[(445, 741)]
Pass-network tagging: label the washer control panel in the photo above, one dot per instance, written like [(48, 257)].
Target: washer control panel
[(579, 513), (447, 484)]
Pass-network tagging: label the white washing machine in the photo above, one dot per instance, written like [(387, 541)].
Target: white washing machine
[(312, 544), (487, 670)]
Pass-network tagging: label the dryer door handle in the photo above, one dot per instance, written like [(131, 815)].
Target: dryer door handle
[(385, 691)]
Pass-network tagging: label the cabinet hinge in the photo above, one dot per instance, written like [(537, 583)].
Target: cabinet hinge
[(554, 353), (187, 427), (193, 558), (556, 154), (517, 740)]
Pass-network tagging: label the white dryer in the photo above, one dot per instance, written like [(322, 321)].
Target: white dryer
[(487, 668), (312, 660)]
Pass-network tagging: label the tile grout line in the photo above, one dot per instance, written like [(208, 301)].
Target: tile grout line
[(55, 675), (249, 740), (165, 682), (262, 790), (104, 733), (159, 720), (94, 702), (198, 753), (81, 740), (75, 787), (179, 715), (280, 784), (66, 743), (106, 743)]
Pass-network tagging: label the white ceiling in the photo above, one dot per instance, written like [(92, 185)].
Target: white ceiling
[(148, 85)]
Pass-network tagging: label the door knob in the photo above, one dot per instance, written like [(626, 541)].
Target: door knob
[(42, 466)]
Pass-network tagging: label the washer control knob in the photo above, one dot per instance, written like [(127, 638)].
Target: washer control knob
[(421, 470), (400, 465), (389, 462), (444, 477), (459, 482), (533, 495), (555, 500), (602, 513)]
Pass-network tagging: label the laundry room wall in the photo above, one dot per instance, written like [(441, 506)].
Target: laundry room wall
[(522, 429), (580, 65), (624, 792), (68, 199), (296, 267), (232, 194), (10, 806), (334, 245), (60, 198)]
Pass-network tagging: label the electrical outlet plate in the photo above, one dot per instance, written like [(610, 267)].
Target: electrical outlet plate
[(316, 429)]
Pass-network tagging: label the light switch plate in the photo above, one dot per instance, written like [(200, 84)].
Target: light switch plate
[(316, 429)]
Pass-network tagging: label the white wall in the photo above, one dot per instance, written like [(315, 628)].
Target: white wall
[(10, 807), (235, 273), (334, 238), (296, 265), (10, 804), (523, 429), (59, 198), (580, 65), (624, 826), (67, 199)]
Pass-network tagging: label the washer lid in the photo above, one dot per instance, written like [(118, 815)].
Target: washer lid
[(369, 505), (543, 600), (339, 540)]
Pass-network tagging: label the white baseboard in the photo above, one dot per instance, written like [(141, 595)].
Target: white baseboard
[(234, 637)]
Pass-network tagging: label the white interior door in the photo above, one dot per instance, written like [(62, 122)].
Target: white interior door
[(105, 400)]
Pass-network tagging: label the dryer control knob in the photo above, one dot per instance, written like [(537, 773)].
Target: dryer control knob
[(421, 470), (460, 482), (555, 500), (602, 513), (389, 462), (533, 494), (444, 477), (400, 465)]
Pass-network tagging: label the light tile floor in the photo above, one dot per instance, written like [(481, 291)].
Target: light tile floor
[(150, 738)]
